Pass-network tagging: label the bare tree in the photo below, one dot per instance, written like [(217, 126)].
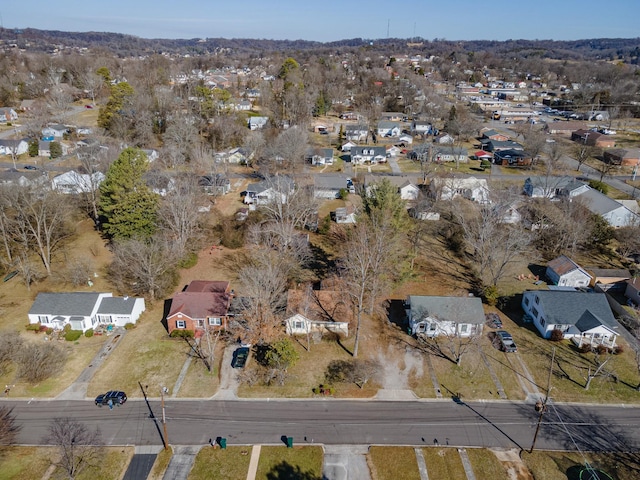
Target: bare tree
[(79, 448), (42, 222), (9, 429), (263, 280), (291, 145), (38, 361), (582, 153), (144, 267), (179, 214), (599, 365), (93, 161), (11, 344), (493, 244)]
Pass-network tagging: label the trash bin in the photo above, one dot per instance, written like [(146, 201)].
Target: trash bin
[(223, 443), (289, 442)]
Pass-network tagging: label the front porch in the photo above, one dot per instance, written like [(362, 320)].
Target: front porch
[(594, 339)]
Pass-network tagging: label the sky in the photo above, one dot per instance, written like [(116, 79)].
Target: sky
[(330, 20)]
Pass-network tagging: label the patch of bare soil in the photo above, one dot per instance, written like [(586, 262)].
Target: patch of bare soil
[(397, 369), (515, 467)]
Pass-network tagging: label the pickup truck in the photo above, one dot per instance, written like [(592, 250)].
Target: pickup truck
[(505, 341)]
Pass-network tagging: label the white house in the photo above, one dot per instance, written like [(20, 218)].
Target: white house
[(437, 315), (276, 188), (7, 115), (256, 123), (310, 311), (368, 154), (615, 213), (320, 156), (73, 182), (84, 310), (450, 154), (580, 316), (564, 272), (551, 187), (388, 129), (347, 146), (55, 131), (13, 147), (471, 188), (330, 185), (407, 187), (298, 324), (356, 133)]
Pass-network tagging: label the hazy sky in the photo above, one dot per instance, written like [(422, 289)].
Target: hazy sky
[(329, 20)]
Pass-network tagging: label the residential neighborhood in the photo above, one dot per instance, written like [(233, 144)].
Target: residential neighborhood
[(389, 221)]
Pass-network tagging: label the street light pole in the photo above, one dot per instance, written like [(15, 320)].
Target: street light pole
[(542, 406), (165, 439)]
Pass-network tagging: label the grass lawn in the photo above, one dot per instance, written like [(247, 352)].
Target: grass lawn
[(289, 463), (113, 463), (566, 465), (231, 463), (160, 465), (144, 354), (199, 382), (443, 463), (486, 465), (391, 463), (24, 463), (308, 373)]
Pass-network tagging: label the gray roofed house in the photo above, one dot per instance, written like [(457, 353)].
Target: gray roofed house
[(440, 315), (551, 187), (23, 178), (320, 156), (9, 146), (497, 145), (330, 185), (356, 132), (564, 272), (269, 189), (615, 213), (367, 153), (407, 185), (84, 310), (581, 316)]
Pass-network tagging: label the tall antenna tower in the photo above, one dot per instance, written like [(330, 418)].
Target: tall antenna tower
[(388, 22)]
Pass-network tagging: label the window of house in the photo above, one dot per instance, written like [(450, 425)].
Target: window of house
[(43, 319), (432, 327), (537, 300), (542, 321), (215, 321), (181, 324), (200, 323), (526, 301), (298, 324), (535, 312), (463, 328)]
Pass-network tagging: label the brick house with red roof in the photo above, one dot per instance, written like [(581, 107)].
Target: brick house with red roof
[(202, 304)]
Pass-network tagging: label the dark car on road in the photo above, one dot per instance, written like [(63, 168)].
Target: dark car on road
[(505, 341), (116, 397), (240, 357), (30, 167), (493, 320)]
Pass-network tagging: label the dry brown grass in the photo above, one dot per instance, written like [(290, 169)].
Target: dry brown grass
[(443, 463), (24, 463), (199, 382)]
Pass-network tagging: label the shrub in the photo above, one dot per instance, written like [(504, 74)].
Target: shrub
[(556, 335), (49, 331), (182, 334), (129, 326), (324, 225), (602, 349), (585, 348), (618, 349), (491, 295), (89, 333), (33, 327), (343, 194), (67, 327), (600, 186), (484, 164), (38, 361), (189, 260), (72, 335)]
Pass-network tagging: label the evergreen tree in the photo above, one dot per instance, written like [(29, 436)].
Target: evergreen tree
[(120, 95), (55, 150), (33, 148), (128, 208)]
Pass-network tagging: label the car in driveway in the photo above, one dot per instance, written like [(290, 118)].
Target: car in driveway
[(117, 398), (493, 320), (505, 341), (240, 357)]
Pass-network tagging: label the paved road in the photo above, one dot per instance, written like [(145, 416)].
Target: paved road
[(493, 424)]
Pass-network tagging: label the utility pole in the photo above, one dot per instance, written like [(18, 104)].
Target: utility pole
[(165, 439), (541, 406)]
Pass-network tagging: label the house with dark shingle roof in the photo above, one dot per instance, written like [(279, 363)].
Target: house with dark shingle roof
[(580, 316), (564, 272), (615, 213), (84, 310), (436, 315), (202, 304)]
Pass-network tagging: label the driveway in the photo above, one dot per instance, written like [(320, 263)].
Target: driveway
[(228, 376)]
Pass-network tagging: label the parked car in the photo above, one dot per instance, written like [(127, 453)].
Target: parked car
[(240, 357), (505, 341), (117, 398), (493, 320), (30, 167)]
